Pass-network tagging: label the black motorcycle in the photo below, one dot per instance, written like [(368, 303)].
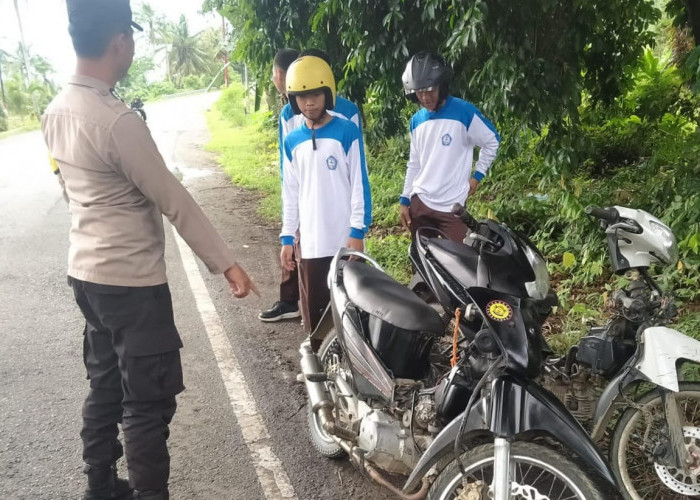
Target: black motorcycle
[(625, 369), (482, 429)]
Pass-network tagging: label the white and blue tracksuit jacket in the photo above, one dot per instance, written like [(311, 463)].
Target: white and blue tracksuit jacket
[(288, 121), (325, 191), (442, 152)]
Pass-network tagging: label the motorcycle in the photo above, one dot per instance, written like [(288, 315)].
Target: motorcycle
[(622, 375), (482, 429)]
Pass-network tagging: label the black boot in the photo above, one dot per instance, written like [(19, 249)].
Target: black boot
[(152, 495), (104, 484)]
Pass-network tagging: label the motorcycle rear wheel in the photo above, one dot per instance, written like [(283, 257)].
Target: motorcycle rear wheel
[(630, 454), (540, 472), (322, 441)]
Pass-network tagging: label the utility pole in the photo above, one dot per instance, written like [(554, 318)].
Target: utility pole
[(225, 54)]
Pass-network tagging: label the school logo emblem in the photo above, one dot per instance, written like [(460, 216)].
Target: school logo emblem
[(331, 163), (446, 140)]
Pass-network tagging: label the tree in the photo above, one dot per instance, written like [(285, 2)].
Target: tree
[(186, 55), (525, 62)]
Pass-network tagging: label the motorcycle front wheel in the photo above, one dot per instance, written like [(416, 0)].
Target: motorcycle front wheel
[(330, 355), (638, 432), (539, 473)]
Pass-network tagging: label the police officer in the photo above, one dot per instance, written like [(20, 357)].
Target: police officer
[(118, 186)]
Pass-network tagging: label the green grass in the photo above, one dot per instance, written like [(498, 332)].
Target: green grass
[(248, 154), (19, 127)]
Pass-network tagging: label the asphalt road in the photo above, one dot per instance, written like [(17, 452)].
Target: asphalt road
[(216, 452)]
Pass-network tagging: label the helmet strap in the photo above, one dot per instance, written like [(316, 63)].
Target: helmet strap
[(313, 130)]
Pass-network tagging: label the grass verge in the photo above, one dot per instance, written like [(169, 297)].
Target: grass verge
[(248, 154)]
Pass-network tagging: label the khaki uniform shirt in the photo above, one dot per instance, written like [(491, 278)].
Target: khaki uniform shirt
[(118, 186)]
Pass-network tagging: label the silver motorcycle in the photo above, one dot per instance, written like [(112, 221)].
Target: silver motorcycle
[(624, 380), (479, 428)]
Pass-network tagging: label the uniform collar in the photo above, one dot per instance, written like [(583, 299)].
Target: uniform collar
[(88, 81)]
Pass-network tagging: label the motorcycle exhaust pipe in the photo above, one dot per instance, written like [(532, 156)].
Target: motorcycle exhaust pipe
[(313, 376), (312, 372), (357, 458), (382, 481)]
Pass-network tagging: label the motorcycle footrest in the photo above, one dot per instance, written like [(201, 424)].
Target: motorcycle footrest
[(315, 377)]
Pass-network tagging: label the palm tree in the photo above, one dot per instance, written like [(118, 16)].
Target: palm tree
[(186, 56), (25, 61)]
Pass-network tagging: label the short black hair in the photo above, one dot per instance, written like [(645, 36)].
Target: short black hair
[(92, 44), (316, 53), (284, 58)]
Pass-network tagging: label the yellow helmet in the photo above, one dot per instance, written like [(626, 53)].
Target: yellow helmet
[(308, 74)]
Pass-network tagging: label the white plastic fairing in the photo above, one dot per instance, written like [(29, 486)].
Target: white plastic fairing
[(655, 242), (662, 348), (537, 289)]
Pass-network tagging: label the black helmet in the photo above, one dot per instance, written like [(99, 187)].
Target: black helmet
[(426, 70)]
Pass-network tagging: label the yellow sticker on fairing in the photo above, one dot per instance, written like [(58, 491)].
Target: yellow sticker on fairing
[(499, 310)]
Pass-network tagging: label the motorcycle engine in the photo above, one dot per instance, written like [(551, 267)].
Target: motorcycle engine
[(392, 438)]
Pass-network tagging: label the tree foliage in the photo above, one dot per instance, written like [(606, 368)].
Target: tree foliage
[(525, 63)]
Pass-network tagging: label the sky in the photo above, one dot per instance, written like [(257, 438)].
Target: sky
[(45, 25)]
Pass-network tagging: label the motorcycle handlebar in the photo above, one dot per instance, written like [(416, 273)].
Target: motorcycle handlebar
[(465, 216), (610, 214)]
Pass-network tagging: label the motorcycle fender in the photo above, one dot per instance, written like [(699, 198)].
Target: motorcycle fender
[(611, 399), (324, 326), (662, 348), (517, 408)]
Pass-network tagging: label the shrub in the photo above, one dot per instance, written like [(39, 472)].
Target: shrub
[(230, 104)]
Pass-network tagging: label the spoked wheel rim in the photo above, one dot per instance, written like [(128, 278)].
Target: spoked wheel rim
[(642, 476), (534, 480)]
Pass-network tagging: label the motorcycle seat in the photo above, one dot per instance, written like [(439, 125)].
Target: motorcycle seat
[(460, 260), (380, 295)]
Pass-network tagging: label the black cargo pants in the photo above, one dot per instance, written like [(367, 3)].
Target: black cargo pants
[(131, 353)]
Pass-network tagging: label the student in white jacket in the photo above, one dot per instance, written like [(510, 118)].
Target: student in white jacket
[(288, 304), (325, 186), (444, 132)]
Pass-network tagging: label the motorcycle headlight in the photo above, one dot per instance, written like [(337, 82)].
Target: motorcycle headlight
[(537, 289), (669, 247)]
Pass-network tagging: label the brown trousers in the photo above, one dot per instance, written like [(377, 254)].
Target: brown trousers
[(313, 290), (424, 216), (289, 286)]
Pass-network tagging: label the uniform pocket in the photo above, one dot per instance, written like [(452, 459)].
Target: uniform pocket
[(140, 320), (152, 378)]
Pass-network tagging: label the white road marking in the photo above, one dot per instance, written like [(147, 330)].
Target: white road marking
[(272, 476)]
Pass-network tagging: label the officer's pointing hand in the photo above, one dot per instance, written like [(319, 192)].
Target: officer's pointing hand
[(240, 283)]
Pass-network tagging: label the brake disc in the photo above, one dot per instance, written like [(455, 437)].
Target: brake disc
[(678, 480)]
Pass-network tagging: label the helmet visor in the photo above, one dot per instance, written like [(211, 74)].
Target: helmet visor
[(415, 91)]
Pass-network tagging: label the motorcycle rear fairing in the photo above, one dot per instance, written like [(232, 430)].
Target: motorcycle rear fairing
[(530, 408)]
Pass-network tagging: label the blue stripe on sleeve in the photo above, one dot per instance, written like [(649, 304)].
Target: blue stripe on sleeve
[(287, 240), (357, 233), (478, 176)]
